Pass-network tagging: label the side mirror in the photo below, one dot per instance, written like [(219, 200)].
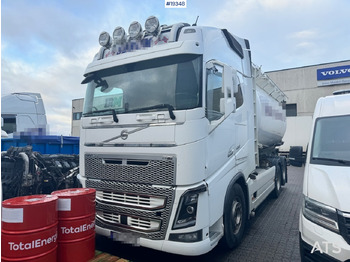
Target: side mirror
[(209, 65), (227, 81), (230, 105), (235, 81)]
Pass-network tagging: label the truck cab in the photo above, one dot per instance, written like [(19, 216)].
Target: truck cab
[(325, 215), (178, 136), (22, 112)]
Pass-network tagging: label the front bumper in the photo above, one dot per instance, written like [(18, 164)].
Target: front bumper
[(180, 248), (319, 244)]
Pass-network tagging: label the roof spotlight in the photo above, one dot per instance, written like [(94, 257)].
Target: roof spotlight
[(119, 34), (152, 25), (135, 30), (104, 39)]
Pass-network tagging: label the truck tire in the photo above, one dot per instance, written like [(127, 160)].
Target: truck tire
[(235, 216), (284, 170), (296, 156), (278, 181)]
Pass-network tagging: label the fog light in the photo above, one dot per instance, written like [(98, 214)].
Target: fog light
[(152, 25), (119, 35), (187, 237), (104, 39), (135, 30)]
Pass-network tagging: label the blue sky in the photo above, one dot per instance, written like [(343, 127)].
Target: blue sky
[(46, 45)]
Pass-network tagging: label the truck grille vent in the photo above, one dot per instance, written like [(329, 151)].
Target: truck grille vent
[(156, 170), (142, 224), (133, 200), (148, 222), (344, 225)]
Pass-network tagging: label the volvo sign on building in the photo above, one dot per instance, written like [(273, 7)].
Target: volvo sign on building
[(333, 75)]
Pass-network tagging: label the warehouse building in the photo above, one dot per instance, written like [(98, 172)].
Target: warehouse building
[(303, 87)]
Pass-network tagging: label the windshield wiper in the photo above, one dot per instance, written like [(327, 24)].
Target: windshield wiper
[(341, 161), (168, 106), (98, 81), (114, 114)]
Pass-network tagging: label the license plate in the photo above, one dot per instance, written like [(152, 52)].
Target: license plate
[(125, 237)]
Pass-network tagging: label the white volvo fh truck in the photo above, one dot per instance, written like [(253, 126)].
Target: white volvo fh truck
[(325, 214), (178, 136)]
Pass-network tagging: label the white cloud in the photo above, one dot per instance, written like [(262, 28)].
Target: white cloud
[(304, 34), (279, 30), (58, 83)]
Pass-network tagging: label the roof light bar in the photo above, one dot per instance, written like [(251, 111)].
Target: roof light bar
[(104, 39), (152, 25), (135, 30)]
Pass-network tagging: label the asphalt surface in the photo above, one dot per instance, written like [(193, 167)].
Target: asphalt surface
[(272, 235)]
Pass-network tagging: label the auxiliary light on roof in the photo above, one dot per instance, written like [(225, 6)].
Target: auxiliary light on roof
[(119, 34), (135, 30), (104, 39), (152, 25)]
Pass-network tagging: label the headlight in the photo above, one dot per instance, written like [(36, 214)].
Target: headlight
[(104, 39), (119, 35), (320, 214), (135, 30), (186, 214), (152, 25)]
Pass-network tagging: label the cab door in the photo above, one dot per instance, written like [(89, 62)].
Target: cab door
[(220, 112)]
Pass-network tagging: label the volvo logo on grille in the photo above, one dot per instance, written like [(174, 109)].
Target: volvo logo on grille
[(124, 134)]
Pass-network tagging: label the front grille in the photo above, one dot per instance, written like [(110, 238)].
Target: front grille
[(344, 225), (133, 200), (155, 170), (134, 192), (116, 216), (135, 223)]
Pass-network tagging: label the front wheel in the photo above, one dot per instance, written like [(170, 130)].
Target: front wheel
[(235, 216)]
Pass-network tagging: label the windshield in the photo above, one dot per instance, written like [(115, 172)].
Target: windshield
[(331, 141), (171, 82)]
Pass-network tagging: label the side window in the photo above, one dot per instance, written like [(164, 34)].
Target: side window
[(9, 124), (77, 115), (214, 92)]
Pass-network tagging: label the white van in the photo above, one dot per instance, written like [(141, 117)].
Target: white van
[(325, 215)]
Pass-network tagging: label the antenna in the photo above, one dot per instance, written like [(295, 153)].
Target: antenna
[(195, 23)]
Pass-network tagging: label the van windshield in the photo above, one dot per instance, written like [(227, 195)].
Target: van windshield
[(170, 82), (331, 141)]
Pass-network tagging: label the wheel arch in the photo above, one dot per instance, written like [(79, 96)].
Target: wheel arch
[(238, 179)]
